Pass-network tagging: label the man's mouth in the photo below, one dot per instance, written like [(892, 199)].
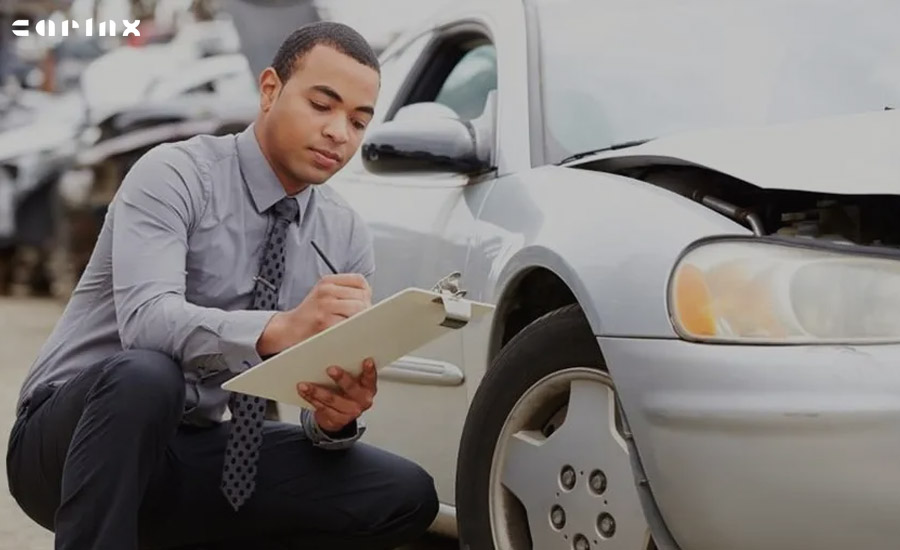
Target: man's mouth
[(324, 156)]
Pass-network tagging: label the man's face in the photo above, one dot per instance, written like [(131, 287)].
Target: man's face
[(314, 123)]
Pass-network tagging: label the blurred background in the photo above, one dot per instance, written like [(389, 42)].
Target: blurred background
[(76, 111)]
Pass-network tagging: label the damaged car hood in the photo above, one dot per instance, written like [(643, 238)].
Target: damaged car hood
[(858, 154)]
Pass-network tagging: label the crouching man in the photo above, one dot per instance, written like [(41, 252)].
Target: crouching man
[(204, 266)]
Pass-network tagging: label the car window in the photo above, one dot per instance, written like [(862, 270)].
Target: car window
[(394, 71), (774, 62), (467, 86)]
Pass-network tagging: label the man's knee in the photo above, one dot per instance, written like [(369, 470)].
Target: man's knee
[(142, 383), (422, 494), (412, 496)]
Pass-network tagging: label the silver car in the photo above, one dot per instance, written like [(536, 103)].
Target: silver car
[(686, 214)]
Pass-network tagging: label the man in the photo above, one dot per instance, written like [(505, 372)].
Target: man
[(205, 265)]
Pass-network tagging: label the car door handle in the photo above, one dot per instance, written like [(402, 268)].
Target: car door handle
[(418, 370)]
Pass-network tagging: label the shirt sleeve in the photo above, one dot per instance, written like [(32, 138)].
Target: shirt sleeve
[(336, 442), (361, 250), (157, 206)]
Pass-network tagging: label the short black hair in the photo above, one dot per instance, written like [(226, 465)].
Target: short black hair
[(327, 33)]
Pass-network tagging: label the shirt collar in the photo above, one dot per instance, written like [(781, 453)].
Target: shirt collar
[(264, 186)]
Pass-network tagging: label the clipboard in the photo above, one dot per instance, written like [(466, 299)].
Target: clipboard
[(385, 332)]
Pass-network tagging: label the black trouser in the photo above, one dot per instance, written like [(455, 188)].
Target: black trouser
[(104, 462)]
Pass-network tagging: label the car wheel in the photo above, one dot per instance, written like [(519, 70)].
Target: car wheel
[(543, 464)]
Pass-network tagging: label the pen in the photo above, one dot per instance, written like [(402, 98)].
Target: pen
[(324, 257)]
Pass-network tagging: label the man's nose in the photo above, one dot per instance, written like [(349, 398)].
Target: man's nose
[(336, 130)]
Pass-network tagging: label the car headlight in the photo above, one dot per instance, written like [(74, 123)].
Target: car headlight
[(771, 291)]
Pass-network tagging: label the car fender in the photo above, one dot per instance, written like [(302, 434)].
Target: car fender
[(611, 239)]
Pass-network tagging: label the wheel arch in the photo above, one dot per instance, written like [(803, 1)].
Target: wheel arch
[(539, 282), (530, 295)]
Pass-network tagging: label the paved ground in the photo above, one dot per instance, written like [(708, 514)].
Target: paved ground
[(24, 324)]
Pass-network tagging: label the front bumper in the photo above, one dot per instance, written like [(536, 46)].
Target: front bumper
[(766, 447)]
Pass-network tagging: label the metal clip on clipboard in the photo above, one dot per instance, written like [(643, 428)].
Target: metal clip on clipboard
[(457, 312)]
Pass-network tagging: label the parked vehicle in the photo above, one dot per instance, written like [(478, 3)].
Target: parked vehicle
[(39, 136), (686, 214), (211, 95), (127, 100)]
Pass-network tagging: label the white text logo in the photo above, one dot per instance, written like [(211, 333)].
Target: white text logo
[(103, 28)]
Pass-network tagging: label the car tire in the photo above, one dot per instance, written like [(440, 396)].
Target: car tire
[(555, 343)]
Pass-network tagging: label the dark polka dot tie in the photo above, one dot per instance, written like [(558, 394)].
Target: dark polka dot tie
[(248, 412)]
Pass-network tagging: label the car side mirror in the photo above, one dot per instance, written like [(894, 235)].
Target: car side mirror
[(430, 137)]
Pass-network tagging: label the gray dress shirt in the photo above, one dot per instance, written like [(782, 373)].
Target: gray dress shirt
[(174, 264)]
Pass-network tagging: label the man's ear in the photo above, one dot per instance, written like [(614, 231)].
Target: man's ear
[(269, 88)]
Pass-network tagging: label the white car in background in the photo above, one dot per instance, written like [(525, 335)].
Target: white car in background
[(210, 95)]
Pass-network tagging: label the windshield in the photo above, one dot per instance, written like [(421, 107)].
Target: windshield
[(622, 70)]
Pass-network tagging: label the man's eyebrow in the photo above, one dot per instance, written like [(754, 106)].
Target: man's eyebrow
[(330, 92)]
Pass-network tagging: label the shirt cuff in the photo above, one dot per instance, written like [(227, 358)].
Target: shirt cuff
[(320, 439), (240, 333)]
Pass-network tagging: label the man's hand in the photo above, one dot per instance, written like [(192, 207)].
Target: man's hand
[(337, 409), (333, 299)]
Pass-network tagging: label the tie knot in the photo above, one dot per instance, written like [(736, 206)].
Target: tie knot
[(286, 209)]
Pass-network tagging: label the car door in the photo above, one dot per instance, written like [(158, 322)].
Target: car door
[(422, 225)]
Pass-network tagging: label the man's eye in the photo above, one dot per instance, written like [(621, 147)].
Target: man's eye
[(359, 125), (318, 106)]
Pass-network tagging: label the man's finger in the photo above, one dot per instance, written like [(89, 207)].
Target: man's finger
[(354, 280), (346, 382), (369, 377), (338, 403), (344, 292), (351, 387), (327, 418), (345, 308)]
